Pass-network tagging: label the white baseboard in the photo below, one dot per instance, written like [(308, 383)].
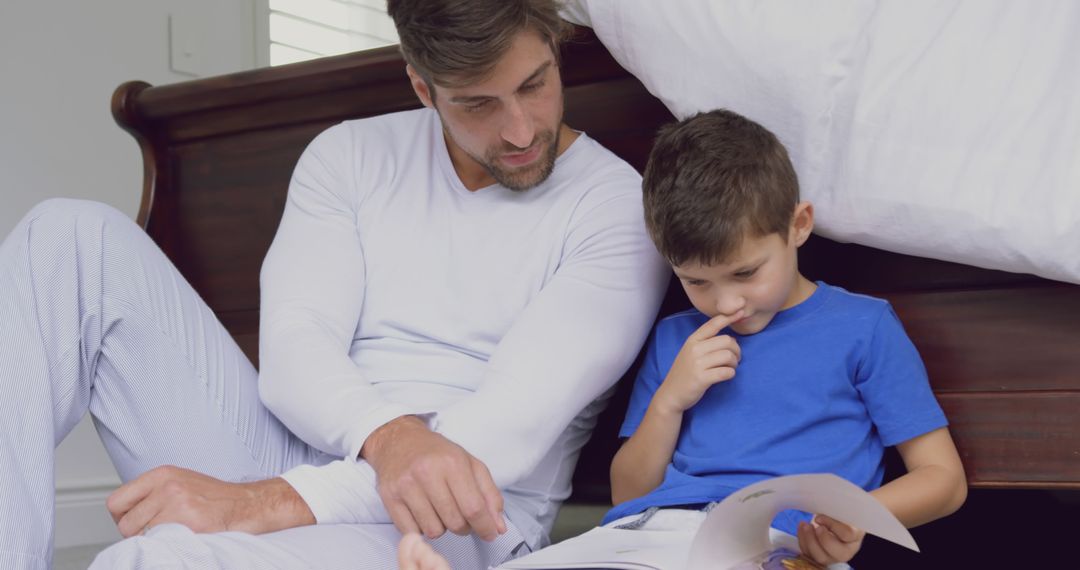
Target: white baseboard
[(81, 516)]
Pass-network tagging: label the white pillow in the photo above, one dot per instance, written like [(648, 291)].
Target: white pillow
[(940, 129)]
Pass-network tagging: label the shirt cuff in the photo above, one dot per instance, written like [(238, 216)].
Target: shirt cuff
[(340, 492), (344, 491)]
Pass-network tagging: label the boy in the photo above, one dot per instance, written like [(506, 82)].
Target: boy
[(771, 374)]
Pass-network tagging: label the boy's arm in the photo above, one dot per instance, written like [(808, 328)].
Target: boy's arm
[(934, 485), (705, 359), (638, 466)]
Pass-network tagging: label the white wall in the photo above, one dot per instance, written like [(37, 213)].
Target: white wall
[(60, 61)]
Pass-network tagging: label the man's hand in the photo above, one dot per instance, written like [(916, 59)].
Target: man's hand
[(828, 541), (705, 359), (430, 484), (204, 504), (415, 554)]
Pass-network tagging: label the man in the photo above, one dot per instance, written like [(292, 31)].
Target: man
[(449, 290)]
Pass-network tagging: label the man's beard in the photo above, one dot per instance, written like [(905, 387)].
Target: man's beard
[(526, 177)]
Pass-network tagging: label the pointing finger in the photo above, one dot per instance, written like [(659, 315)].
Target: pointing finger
[(474, 501), (402, 518), (491, 493)]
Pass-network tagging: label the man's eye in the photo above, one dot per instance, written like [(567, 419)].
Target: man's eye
[(531, 87), (477, 107)]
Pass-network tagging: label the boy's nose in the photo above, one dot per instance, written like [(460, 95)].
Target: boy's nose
[(730, 304)]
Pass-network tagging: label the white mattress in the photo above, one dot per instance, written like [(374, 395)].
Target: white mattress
[(941, 129)]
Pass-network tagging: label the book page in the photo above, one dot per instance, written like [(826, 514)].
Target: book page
[(737, 530), (735, 534)]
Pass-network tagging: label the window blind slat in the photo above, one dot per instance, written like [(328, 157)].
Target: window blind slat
[(283, 54), (326, 27)]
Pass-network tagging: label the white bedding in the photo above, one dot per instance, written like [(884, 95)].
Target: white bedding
[(941, 129)]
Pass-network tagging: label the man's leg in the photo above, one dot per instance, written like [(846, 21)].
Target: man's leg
[(93, 316), (318, 547)]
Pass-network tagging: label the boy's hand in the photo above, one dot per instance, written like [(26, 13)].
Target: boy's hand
[(828, 541), (415, 554), (705, 359)]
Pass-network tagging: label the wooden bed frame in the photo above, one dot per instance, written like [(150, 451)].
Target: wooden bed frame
[(1002, 349)]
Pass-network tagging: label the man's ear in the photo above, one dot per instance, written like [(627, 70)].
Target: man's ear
[(802, 223), (420, 87)]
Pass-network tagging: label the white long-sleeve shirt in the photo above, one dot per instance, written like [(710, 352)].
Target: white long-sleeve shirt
[(391, 289)]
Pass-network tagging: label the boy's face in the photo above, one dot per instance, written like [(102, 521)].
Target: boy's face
[(505, 128), (761, 279)]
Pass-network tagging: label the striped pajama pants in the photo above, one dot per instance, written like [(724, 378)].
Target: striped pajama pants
[(94, 317)]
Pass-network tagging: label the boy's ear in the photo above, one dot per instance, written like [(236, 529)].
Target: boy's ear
[(420, 87), (802, 223)]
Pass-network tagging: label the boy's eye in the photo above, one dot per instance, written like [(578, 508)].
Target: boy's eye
[(695, 282), (746, 274)]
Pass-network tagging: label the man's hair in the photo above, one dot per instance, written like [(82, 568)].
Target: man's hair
[(457, 42), (711, 181)]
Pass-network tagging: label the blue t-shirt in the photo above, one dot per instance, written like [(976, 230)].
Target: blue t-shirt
[(824, 388)]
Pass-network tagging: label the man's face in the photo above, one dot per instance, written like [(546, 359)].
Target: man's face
[(761, 279), (505, 128)]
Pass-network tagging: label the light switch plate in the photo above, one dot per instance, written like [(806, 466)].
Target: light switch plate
[(187, 47)]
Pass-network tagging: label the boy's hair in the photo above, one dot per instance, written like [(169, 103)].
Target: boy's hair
[(452, 43), (711, 181)]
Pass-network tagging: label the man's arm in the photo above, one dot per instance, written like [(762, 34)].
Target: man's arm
[(569, 346), (429, 484), (572, 342), (312, 289), (205, 504), (312, 286)]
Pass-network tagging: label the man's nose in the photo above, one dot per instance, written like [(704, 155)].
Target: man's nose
[(518, 126)]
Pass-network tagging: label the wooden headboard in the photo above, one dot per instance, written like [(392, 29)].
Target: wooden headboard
[(1002, 350)]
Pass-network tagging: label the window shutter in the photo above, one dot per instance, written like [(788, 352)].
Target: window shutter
[(306, 29)]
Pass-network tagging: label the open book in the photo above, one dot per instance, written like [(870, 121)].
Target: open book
[(735, 534)]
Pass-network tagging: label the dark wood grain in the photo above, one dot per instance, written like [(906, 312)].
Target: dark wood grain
[(1017, 439)]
